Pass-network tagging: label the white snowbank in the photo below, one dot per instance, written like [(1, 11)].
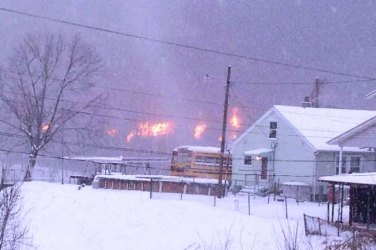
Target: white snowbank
[(63, 217)]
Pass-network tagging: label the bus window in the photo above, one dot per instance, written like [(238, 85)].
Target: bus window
[(200, 159), (174, 156), (211, 160)]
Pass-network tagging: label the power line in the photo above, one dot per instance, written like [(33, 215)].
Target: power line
[(185, 46), (9, 135), (158, 95), (302, 83), (133, 92)]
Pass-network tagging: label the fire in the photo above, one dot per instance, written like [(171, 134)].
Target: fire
[(199, 130), (151, 129), (130, 136), (111, 132), (154, 129), (235, 120), (45, 127)]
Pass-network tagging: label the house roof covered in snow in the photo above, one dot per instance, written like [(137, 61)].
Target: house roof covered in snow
[(205, 149), (353, 131), (319, 125), (355, 178)]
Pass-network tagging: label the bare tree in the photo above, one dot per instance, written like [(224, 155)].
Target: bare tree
[(44, 89), (13, 233)]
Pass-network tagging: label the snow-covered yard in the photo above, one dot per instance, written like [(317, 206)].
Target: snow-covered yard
[(64, 217)]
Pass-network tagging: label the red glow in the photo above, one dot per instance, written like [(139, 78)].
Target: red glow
[(130, 136), (45, 127), (111, 132), (235, 119), (154, 129), (199, 130), (151, 129)]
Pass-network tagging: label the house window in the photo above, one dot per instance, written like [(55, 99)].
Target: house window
[(248, 160), (350, 164), (273, 130), (343, 164), (354, 164)]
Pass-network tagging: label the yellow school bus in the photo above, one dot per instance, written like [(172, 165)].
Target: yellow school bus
[(201, 162)]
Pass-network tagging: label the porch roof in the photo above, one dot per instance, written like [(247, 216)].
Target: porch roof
[(258, 151), (352, 179)]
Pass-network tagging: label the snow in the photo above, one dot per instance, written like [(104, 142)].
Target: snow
[(64, 217), (206, 149), (258, 151), (355, 178), (162, 178), (97, 159), (295, 183), (319, 125)]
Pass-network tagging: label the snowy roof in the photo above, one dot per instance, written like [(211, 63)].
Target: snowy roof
[(353, 131), (97, 159), (258, 151), (199, 149), (319, 125), (355, 178), (118, 160), (295, 183), (162, 178)]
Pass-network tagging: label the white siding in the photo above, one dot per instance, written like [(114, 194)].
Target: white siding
[(366, 138), (294, 157)]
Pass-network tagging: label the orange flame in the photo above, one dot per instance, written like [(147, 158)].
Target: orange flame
[(199, 130), (45, 127), (111, 132), (234, 136), (148, 129), (130, 136), (235, 120), (154, 129)]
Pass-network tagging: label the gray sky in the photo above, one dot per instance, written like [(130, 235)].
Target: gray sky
[(170, 80)]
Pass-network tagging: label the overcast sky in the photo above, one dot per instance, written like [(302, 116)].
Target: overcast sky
[(177, 83)]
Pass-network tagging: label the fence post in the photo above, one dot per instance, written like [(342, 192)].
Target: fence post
[(182, 190), (151, 188), (318, 219), (249, 204), (305, 224), (287, 216)]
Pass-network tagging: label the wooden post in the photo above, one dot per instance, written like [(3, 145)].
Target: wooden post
[(334, 198), (351, 208), (249, 204), (287, 216), (151, 188), (297, 194), (342, 197), (368, 207), (182, 190), (223, 141)]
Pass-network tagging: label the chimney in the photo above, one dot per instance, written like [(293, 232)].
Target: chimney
[(306, 103)]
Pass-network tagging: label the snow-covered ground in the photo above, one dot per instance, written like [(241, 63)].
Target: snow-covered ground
[(64, 217)]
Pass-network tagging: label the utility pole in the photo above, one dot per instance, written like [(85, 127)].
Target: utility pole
[(62, 142), (316, 93), (223, 141)]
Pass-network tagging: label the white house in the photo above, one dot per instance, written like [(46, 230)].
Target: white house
[(362, 136), (290, 144)]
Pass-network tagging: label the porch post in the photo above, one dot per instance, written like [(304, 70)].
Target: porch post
[(351, 208), (368, 206), (334, 198), (340, 160)]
